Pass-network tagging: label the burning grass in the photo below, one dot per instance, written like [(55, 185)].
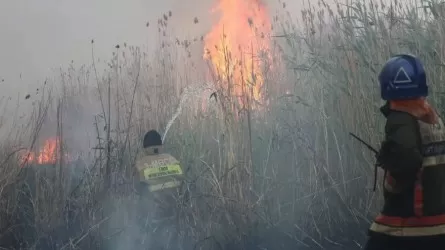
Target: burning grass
[(47, 154), (238, 45)]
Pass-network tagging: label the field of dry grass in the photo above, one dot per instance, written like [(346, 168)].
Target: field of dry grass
[(285, 175)]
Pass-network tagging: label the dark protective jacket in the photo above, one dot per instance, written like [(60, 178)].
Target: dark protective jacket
[(413, 157)]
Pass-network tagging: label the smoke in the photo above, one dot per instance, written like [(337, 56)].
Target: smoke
[(41, 37)]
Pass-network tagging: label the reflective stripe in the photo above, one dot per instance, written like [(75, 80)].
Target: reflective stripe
[(423, 221), (408, 231), (162, 186), (433, 161), (418, 195), (162, 171)]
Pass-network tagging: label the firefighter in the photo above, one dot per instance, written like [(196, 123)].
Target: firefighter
[(413, 158), (160, 174), (160, 178)]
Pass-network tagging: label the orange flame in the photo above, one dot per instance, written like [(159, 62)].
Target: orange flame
[(236, 44), (46, 155)]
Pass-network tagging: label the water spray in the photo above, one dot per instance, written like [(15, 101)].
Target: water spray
[(191, 90)]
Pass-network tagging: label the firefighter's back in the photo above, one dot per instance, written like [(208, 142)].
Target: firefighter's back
[(159, 176), (159, 171)]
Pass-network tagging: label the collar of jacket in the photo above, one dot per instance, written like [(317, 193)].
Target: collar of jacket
[(386, 110), (154, 150)]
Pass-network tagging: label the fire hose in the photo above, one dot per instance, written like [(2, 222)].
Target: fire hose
[(375, 151)]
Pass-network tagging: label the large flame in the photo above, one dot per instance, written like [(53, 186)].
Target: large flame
[(47, 154), (237, 45)]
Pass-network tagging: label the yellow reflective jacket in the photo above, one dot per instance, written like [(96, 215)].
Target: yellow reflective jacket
[(159, 170)]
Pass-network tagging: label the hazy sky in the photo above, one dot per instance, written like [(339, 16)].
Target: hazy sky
[(39, 35)]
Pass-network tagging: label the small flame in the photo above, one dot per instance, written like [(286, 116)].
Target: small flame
[(236, 44), (46, 155)]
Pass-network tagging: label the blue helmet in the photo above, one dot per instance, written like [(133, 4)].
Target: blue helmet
[(403, 77)]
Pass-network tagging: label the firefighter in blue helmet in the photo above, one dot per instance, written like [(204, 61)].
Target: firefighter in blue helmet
[(413, 158)]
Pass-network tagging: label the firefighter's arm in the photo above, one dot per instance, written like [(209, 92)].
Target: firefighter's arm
[(400, 152)]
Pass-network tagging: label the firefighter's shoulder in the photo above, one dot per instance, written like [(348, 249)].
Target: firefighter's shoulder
[(157, 161)]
